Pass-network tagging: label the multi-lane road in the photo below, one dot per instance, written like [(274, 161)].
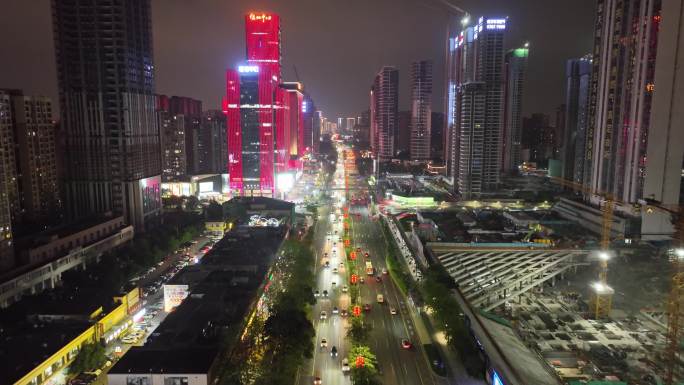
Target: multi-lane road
[(396, 364)]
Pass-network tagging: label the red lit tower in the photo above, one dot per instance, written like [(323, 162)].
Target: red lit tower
[(252, 98)]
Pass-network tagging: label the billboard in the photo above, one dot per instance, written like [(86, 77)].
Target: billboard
[(174, 296)]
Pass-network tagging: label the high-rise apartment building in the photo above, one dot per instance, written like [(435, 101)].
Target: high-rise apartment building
[(317, 127), (106, 87), (38, 194), (538, 139), (8, 183), (578, 78), (403, 138), (384, 108), (515, 64), (191, 112), (421, 110), (8, 160), (173, 145), (475, 106), (624, 61), (665, 133), (213, 145)]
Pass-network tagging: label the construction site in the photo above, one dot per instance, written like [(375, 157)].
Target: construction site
[(593, 311)]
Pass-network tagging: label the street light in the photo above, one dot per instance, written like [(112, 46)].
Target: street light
[(679, 252), (604, 256)]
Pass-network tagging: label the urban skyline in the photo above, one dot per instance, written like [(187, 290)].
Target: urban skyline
[(317, 232)]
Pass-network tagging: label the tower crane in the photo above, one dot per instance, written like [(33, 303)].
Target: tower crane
[(602, 294)]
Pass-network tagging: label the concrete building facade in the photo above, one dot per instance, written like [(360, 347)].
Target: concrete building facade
[(106, 86), (515, 67), (384, 110), (475, 106), (578, 77)]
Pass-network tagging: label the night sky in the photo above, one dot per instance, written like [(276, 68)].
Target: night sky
[(336, 45)]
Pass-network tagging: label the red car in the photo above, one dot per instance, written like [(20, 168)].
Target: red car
[(406, 344), (366, 307)]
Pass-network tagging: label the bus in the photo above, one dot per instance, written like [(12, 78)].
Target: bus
[(369, 268)]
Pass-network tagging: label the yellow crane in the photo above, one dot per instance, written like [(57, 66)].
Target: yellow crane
[(601, 300)]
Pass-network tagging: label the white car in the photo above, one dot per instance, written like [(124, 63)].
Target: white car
[(334, 270), (393, 311), (345, 365), (345, 288), (324, 314), (324, 343)]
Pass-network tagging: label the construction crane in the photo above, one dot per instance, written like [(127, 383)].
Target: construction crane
[(674, 306), (601, 301)]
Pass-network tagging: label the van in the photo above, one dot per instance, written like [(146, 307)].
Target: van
[(380, 298)]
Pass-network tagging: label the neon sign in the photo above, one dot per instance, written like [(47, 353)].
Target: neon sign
[(263, 17), (248, 69)]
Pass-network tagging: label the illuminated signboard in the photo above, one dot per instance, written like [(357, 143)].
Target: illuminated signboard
[(206, 187), (174, 296), (262, 17), (248, 69), (496, 23)]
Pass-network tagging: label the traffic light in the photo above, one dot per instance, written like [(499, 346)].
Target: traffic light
[(357, 311), (360, 361), (354, 278)]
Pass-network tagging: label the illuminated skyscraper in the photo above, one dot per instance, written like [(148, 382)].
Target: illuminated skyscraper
[(106, 89), (251, 100), (262, 33), (475, 106), (421, 110)]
